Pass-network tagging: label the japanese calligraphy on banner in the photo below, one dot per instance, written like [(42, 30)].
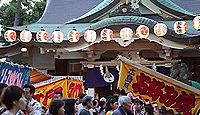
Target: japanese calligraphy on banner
[(172, 94), (14, 75), (74, 88), (44, 94)]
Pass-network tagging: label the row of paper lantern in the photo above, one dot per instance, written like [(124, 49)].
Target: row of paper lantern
[(126, 33)]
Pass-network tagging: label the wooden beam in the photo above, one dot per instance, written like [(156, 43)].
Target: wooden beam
[(117, 62)]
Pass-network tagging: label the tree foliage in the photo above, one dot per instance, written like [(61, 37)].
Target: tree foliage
[(30, 12)]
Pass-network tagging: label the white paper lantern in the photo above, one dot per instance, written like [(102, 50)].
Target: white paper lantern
[(25, 36), (142, 31), (10, 36), (180, 27), (126, 33), (57, 36), (160, 29), (106, 34), (73, 35), (196, 22), (42, 36), (90, 36)]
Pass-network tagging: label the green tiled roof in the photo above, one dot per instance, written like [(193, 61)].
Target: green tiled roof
[(98, 8), (172, 5), (124, 19)]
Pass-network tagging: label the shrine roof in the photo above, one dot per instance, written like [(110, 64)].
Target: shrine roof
[(189, 5), (58, 12), (67, 14), (170, 5)]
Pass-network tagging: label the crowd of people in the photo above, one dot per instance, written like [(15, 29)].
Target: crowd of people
[(20, 101)]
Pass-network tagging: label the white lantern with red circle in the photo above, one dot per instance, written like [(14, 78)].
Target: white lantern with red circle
[(180, 27), (196, 22), (106, 34), (73, 35), (57, 36), (90, 36), (42, 36), (10, 36), (160, 29), (142, 31), (126, 33), (25, 36)]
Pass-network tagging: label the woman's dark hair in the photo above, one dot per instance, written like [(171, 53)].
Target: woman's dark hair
[(11, 94), (54, 107), (109, 103), (69, 106)]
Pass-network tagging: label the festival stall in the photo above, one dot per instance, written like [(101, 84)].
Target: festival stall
[(155, 87), (37, 76), (70, 86)]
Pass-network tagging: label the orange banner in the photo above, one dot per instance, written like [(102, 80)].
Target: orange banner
[(155, 88), (74, 88), (45, 94)]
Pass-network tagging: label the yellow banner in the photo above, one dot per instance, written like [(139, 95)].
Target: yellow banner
[(74, 88), (45, 94), (155, 89)]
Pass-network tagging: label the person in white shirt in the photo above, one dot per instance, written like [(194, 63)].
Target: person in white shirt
[(29, 91), (79, 106)]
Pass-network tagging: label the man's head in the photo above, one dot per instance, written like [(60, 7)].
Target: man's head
[(125, 103), (138, 105), (58, 95), (87, 102), (29, 91), (80, 97)]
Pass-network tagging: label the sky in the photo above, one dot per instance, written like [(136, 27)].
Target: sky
[(4, 1), (7, 1)]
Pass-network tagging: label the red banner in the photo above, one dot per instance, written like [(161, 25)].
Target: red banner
[(70, 89)]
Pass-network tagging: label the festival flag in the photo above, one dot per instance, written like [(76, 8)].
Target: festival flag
[(155, 87), (45, 94), (74, 88)]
